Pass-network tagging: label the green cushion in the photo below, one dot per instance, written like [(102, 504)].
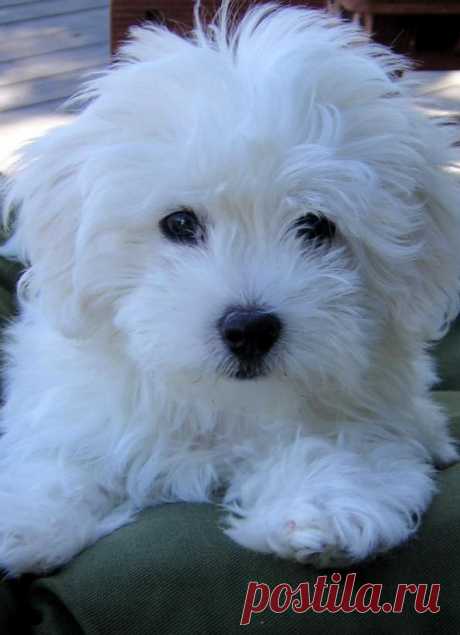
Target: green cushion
[(9, 274), (9, 611), (447, 354)]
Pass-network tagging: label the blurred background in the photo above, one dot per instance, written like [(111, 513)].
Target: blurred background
[(48, 46)]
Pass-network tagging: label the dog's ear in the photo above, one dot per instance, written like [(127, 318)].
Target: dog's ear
[(43, 207), (432, 297)]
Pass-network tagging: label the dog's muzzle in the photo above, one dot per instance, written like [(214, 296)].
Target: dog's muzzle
[(249, 333)]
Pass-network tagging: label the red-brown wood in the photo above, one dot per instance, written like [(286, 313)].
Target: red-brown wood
[(177, 14), (397, 7), (398, 23), (428, 31)]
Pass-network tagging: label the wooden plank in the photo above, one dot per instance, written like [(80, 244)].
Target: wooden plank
[(47, 27), (52, 34), (416, 7), (38, 91), (53, 64), (14, 3), (20, 50), (47, 8)]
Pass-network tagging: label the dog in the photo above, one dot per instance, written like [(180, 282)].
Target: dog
[(238, 254)]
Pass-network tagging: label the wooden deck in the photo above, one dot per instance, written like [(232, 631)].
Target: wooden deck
[(47, 47)]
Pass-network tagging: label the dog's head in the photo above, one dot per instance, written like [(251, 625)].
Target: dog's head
[(254, 202)]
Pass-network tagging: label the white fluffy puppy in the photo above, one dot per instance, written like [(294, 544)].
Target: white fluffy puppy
[(238, 253)]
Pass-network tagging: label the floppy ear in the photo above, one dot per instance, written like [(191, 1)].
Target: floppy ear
[(432, 297), (46, 203)]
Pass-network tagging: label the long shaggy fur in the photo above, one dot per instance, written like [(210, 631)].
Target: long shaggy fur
[(119, 392)]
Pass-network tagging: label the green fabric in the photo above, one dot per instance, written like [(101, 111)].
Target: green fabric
[(8, 608), (447, 354), (9, 274)]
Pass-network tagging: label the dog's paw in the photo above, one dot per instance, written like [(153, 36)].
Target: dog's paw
[(326, 543), (446, 454), (319, 536), (307, 540)]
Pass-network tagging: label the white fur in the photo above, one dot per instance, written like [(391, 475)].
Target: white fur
[(115, 399)]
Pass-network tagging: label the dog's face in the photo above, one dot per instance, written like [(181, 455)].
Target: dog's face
[(240, 269), (240, 212), (237, 283)]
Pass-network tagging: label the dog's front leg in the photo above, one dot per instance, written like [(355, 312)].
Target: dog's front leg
[(322, 502), (50, 510)]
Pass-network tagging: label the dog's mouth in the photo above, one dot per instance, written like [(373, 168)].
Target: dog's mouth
[(243, 370)]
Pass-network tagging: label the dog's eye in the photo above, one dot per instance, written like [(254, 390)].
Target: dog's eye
[(182, 226), (314, 227)]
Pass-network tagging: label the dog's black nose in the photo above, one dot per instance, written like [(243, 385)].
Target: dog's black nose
[(249, 333)]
